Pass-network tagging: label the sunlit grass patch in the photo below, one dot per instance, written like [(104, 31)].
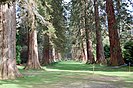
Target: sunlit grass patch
[(71, 65)]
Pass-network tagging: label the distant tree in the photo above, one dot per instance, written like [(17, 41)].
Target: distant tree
[(77, 31), (90, 56), (58, 21), (46, 51), (52, 36), (82, 25), (99, 45)]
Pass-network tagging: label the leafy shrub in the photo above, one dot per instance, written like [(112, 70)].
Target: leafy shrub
[(18, 50), (128, 52), (107, 51)]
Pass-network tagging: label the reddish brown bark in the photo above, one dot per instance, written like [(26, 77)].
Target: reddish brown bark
[(100, 57), (46, 57), (8, 68), (33, 61), (46, 51), (90, 56), (115, 50)]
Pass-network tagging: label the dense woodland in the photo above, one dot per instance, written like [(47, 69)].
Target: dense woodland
[(35, 33)]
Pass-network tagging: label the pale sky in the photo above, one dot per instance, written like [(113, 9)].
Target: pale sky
[(67, 0)]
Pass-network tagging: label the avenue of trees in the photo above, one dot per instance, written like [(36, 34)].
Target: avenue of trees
[(40, 32)]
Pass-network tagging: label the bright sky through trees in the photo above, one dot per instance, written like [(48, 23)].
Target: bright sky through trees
[(67, 0)]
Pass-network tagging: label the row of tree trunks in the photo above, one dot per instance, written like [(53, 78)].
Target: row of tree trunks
[(8, 68), (100, 57), (77, 53), (115, 50), (84, 51)]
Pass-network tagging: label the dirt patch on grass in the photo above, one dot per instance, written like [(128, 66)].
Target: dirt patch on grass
[(87, 84), (94, 81)]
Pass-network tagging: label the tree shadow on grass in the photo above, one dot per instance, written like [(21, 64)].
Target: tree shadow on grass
[(106, 77), (45, 79), (32, 78), (59, 79)]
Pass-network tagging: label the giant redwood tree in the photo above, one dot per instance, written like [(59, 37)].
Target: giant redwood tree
[(90, 56), (8, 68), (33, 60), (99, 45), (115, 49)]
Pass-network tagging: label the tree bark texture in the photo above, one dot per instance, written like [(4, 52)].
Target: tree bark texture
[(8, 68), (46, 51), (115, 49), (90, 59), (100, 57), (90, 56), (33, 60), (84, 53), (54, 54)]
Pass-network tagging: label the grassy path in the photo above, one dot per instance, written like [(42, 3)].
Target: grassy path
[(73, 75)]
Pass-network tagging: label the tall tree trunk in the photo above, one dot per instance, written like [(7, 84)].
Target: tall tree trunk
[(90, 56), (51, 55), (84, 52), (8, 68), (115, 50), (54, 54), (118, 7), (46, 51), (86, 30), (33, 60), (82, 32), (46, 57), (90, 59), (99, 45)]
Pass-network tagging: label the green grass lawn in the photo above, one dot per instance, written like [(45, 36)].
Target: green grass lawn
[(70, 74), (72, 65)]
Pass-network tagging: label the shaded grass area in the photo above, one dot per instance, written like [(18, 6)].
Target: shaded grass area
[(72, 74)]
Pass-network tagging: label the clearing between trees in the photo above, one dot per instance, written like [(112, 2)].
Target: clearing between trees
[(70, 74)]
